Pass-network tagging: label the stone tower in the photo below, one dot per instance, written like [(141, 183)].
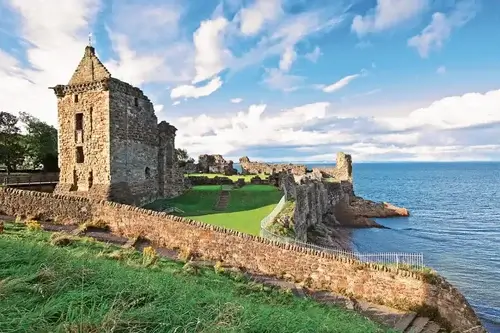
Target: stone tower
[(110, 144)]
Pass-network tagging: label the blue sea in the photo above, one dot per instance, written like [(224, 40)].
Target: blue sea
[(454, 222)]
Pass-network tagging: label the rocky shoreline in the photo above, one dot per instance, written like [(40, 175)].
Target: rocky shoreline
[(327, 209)]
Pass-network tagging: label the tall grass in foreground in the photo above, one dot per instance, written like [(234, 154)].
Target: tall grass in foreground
[(87, 286)]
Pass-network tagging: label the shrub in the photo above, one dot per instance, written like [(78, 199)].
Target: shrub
[(33, 225), (149, 256), (218, 267), (1, 227)]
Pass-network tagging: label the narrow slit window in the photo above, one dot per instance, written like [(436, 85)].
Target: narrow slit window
[(79, 121), (91, 109), (79, 155), (91, 179), (136, 101), (76, 98)]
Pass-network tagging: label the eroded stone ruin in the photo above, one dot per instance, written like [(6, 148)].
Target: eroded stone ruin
[(215, 164), (325, 199), (255, 168)]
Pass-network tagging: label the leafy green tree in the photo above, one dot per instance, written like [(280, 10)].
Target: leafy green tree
[(183, 157), (41, 142), (11, 142)]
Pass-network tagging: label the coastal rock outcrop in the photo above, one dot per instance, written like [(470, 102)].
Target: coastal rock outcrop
[(324, 204)]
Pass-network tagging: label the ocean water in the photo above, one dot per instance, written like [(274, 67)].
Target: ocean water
[(454, 222)]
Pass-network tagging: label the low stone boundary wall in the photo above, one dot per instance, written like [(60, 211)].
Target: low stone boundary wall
[(317, 270)]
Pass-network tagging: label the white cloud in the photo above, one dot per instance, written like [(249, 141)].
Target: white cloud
[(139, 32), (287, 59), (158, 108), (455, 112), (441, 70), (236, 100), (176, 103), (211, 55), (54, 35), (314, 55), (275, 79), (191, 91), (254, 18), (340, 83), (227, 134), (439, 30), (387, 14)]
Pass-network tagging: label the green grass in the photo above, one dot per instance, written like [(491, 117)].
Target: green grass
[(248, 205), (86, 287), (233, 177)]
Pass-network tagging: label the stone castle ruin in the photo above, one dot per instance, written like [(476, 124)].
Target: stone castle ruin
[(255, 168), (111, 146)]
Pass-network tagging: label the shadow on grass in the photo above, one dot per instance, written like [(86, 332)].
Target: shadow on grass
[(201, 200)]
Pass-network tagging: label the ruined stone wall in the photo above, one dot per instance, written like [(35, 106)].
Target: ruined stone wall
[(215, 164), (171, 177), (255, 168), (89, 177), (319, 270), (133, 145), (341, 172)]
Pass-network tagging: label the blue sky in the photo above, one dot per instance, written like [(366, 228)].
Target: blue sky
[(279, 80)]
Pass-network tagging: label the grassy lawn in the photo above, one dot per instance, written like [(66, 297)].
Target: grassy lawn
[(233, 177), (247, 206), (88, 286)]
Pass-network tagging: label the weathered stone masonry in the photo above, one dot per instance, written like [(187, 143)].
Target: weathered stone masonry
[(379, 284), (111, 146)]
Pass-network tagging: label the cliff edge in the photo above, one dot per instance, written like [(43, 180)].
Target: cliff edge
[(325, 205)]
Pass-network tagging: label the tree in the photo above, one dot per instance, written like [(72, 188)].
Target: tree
[(11, 142), (183, 157), (41, 142)]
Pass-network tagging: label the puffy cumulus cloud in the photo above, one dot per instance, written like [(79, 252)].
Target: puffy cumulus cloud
[(455, 112), (53, 36), (230, 134), (439, 30), (211, 55), (454, 128), (191, 91), (387, 14), (253, 18)]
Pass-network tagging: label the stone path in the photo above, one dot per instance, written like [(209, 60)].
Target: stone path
[(223, 200), (407, 322)]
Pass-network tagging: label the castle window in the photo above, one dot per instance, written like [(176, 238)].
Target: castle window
[(136, 101), (91, 179), (76, 98), (79, 121), (79, 155), (147, 173), (91, 109)]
